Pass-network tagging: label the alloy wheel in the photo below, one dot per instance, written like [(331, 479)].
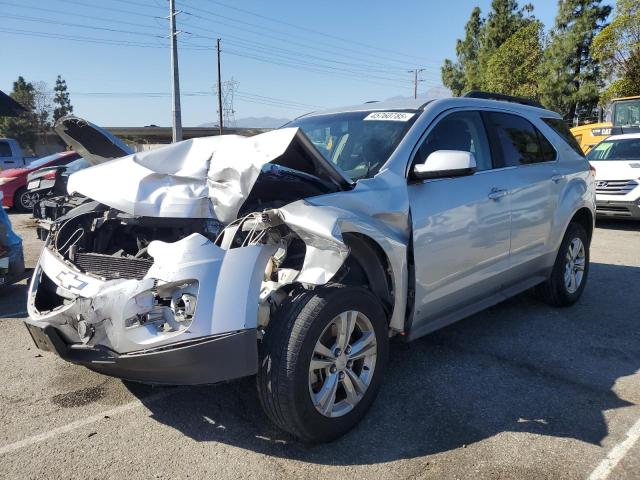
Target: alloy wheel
[(574, 265), (28, 200), (342, 364)]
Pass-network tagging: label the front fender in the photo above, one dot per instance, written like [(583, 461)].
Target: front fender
[(321, 227)]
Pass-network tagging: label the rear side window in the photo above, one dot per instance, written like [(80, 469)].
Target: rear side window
[(5, 149), (520, 141), (562, 129)]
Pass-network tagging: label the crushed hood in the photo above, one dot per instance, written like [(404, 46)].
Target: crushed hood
[(94, 143), (207, 177)]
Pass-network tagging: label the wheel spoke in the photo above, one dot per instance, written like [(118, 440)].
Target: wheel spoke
[(320, 363), (326, 397), (357, 382), (322, 351), (363, 347), (350, 390), (345, 323)]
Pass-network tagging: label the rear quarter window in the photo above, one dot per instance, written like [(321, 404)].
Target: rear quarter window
[(562, 129)]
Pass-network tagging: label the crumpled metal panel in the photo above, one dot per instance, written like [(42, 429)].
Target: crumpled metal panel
[(229, 286), (377, 208), (208, 177)]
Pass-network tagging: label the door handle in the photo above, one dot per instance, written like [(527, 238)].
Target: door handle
[(497, 193), (556, 178)]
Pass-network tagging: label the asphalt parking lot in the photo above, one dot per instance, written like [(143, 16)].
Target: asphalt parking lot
[(519, 391)]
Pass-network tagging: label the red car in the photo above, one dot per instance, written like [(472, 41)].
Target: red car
[(13, 182)]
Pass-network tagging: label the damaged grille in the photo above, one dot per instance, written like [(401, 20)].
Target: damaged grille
[(112, 268)]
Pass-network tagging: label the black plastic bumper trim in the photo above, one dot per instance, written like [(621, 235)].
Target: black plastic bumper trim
[(202, 361)]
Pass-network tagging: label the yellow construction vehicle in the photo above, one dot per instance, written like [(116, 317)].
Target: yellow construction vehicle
[(623, 116)]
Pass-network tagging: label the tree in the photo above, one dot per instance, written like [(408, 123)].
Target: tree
[(482, 38), (570, 76), (617, 47), (514, 69), (61, 99), (23, 127), (504, 19), (42, 108)]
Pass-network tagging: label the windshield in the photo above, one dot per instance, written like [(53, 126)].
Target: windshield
[(43, 161), (627, 113), (626, 149), (359, 143)]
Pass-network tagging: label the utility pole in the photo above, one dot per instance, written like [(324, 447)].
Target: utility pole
[(416, 72), (219, 91), (175, 78)]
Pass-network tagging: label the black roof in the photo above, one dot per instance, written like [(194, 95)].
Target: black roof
[(502, 97), (9, 107)]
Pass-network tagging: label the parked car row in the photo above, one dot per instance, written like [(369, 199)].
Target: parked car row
[(22, 193)]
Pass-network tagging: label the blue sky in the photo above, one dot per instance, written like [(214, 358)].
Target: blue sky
[(288, 57)]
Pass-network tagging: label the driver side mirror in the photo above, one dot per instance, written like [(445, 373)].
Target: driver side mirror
[(445, 163)]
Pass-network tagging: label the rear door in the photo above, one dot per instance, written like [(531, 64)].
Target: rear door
[(535, 183), (461, 226)]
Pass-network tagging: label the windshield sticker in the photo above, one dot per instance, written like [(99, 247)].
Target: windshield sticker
[(390, 116)]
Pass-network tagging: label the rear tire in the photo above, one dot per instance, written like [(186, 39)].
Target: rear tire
[(307, 385), (570, 270), (24, 200)]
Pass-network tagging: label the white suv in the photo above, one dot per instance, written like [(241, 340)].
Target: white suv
[(617, 163), (298, 253)]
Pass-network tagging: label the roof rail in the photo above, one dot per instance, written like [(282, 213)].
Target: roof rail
[(502, 97)]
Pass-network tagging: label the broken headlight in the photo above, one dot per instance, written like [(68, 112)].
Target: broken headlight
[(170, 307)]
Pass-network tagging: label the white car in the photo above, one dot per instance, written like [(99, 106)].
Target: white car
[(617, 163)]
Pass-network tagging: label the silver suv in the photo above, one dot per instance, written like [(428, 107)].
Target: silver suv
[(297, 254)]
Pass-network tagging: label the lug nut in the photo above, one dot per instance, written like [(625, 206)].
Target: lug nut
[(341, 375), (337, 352), (350, 364), (333, 369), (347, 350)]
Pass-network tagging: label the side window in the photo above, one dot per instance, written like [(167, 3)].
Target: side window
[(462, 131), (5, 149), (548, 152), (520, 141), (563, 130)]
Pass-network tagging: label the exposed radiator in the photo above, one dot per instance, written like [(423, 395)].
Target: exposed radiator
[(112, 268)]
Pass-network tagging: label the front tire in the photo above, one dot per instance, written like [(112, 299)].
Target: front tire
[(570, 271), (322, 360)]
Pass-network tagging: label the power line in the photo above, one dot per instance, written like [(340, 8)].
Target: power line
[(77, 25), (323, 69), (376, 66), (252, 97), (80, 15), (341, 49), (306, 29)]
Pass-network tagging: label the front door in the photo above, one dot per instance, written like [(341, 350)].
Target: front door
[(461, 226)]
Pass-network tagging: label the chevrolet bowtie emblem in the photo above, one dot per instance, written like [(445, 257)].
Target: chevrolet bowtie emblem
[(70, 280)]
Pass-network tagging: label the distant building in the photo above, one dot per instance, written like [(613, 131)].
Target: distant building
[(146, 138)]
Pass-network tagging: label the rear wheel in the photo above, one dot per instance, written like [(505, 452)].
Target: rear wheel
[(322, 359), (570, 271), (25, 200)]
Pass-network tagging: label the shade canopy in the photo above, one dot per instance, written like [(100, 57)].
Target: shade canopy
[(9, 107)]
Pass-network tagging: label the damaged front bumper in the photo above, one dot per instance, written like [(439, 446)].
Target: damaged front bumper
[(201, 361), (111, 326)]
